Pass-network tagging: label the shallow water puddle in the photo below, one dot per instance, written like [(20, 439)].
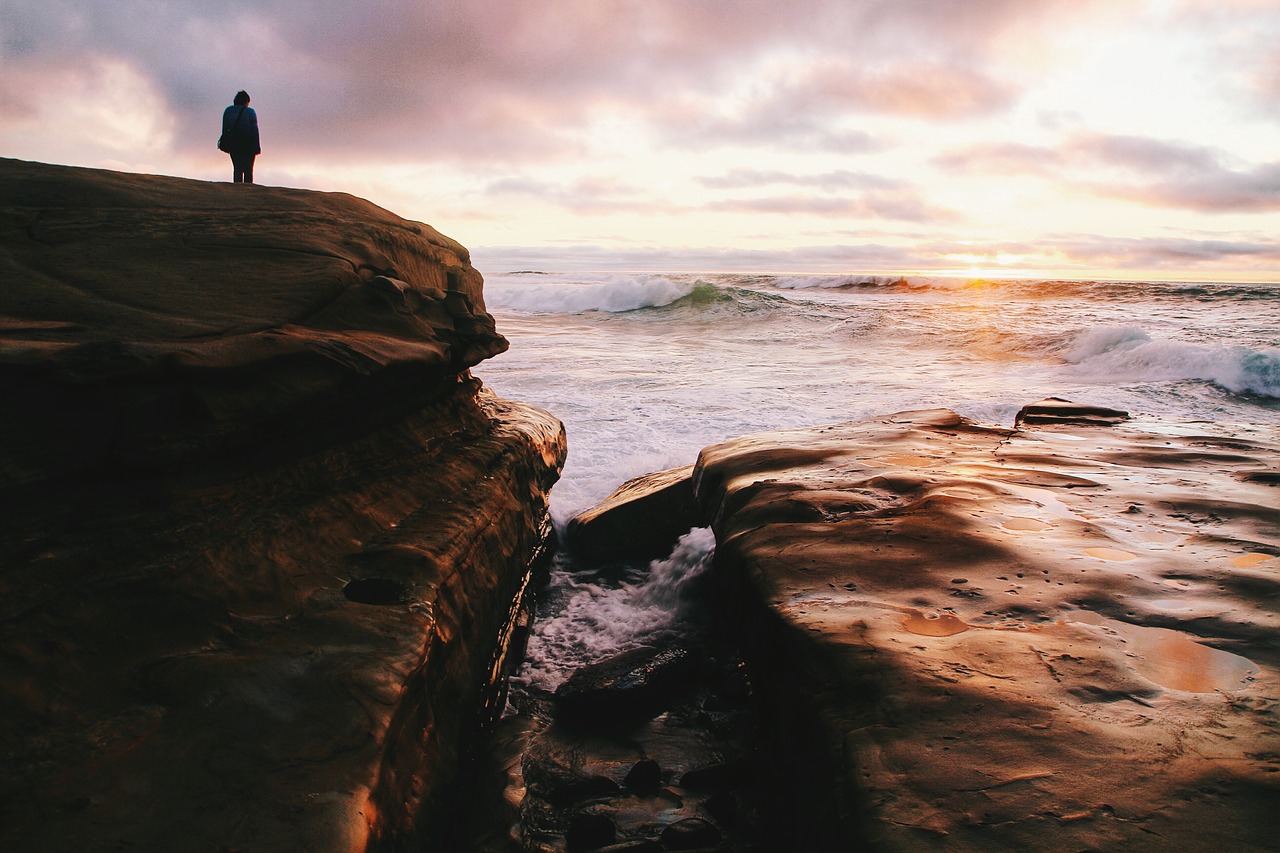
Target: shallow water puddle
[(1022, 522), (1173, 660), (907, 460), (936, 625), (1112, 554), (1248, 561), (1045, 498), (1180, 605)]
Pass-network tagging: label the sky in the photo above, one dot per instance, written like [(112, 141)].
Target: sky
[(1125, 139)]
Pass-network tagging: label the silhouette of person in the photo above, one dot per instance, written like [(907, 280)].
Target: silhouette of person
[(240, 132)]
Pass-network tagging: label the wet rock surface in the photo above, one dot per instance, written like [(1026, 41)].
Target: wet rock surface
[(1055, 410), (965, 637), (642, 519), (629, 687), (637, 782), (264, 535)]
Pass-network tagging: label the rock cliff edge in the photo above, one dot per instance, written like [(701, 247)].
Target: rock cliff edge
[(263, 533)]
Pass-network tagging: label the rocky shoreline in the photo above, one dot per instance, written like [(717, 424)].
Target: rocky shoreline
[(956, 637), (268, 549), (264, 534)]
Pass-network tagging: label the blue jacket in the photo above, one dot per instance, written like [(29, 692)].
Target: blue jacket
[(244, 134)]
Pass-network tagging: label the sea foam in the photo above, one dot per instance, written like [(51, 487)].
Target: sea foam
[(1127, 353), (575, 295), (595, 620)]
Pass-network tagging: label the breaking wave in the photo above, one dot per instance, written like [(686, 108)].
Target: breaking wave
[(594, 619), (631, 293), (611, 294), (1126, 353), (1025, 288)]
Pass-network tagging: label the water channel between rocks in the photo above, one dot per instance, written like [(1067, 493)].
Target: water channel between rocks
[(670, 762)]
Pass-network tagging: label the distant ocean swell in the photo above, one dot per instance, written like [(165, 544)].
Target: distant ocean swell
[(629, 292), (609, 293), (818, 311), (1024, 288)]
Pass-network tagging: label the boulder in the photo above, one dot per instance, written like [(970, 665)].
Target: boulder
[(265, 536), (968, 638), (590, 831), (641, 520), (644, 776), (722, 774), (691, 833), (1055, 410), (627, 688)]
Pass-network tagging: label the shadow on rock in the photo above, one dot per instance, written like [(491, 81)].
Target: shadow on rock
[(628, 688)]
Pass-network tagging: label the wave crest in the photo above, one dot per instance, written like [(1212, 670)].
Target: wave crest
[(611, 294), (1129, 353), (598, 620)]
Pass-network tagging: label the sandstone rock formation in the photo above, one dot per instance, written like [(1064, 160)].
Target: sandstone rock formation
[(641, 520), (264, 535), (971, 638), (1055, 410)]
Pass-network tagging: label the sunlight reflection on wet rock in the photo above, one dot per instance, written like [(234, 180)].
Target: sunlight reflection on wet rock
[(1024, 523), (1114, 555), (1036, 608), (934, 624), (1173, 660)]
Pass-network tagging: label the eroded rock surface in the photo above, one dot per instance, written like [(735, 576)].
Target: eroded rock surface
[(631, 686), (642, 519), (973, 638), (264, 535)]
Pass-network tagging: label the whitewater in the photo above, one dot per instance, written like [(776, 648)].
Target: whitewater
[(646, 369)]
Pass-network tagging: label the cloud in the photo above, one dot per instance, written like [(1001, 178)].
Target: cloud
[(519, 79), (1156, 172), (841, 108), (103, 105), (1000, 158), (917, 88), (1239, 39), (1051, 255), (776, 123), (850, 195), (658, 258), (1176, 174), (906, 206), (590, 195), (1176, 253), (833, 181)]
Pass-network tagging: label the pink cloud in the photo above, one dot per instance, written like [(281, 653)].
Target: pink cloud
[(1055, 255), (907, 206), (912, 87), (485, 79), (1155, 172)]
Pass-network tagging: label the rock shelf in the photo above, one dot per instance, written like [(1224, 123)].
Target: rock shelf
[(263, 533)]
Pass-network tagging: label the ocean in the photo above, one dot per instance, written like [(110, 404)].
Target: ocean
[(646, 369)]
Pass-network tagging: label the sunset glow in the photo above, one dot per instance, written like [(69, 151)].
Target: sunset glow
[(1118, 139)]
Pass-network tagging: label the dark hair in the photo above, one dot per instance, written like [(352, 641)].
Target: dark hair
[(242, 98)]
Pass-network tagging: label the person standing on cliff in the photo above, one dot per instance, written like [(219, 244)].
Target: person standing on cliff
[(240, 137)]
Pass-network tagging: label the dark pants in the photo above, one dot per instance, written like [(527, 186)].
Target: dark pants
[(242, 166)]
